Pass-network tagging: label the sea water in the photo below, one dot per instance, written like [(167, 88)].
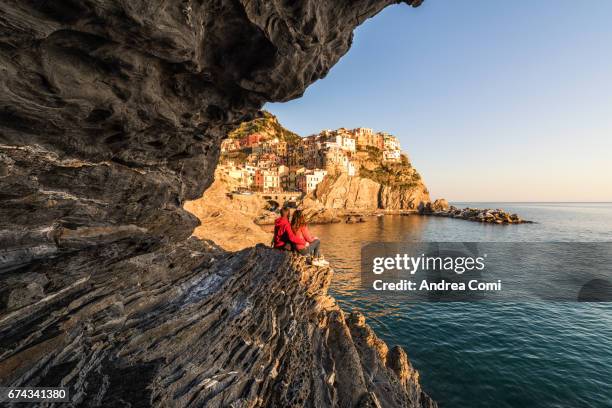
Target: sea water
[(488, 354)]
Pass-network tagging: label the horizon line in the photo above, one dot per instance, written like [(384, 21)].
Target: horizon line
[(532, 202)]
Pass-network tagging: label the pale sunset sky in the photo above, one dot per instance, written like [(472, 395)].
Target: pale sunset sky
[(492, 100)]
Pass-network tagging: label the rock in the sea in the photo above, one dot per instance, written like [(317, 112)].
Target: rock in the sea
[(487, 215), (111, 117), (440, 205), (354, 219)]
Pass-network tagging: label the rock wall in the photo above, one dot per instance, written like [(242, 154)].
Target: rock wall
[(393, 198), (111, 116), (348, 193), (337, 196)]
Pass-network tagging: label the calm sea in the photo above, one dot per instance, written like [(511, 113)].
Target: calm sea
[(489, 354)]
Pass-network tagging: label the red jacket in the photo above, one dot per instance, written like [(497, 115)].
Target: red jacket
[(305, 234), (284, 235)]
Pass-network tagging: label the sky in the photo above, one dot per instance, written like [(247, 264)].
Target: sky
[(492, 100)]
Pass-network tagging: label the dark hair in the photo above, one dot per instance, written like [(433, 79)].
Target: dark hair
[(298, 220), (284, 211)]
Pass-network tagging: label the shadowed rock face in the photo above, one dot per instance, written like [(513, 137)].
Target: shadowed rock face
[(111, 116), (196, 326)]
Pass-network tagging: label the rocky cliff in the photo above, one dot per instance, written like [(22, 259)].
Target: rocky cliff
[(341, 195), (111, 116), (401, 185), (399, 198), (348, 193), (382, 186)]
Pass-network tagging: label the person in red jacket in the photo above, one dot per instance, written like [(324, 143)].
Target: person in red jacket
[(284, 237), (311, 248)]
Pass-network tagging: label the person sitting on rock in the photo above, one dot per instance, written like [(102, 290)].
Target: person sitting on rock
[(284, 237), (311, 249)]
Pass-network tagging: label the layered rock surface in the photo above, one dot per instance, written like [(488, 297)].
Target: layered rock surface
[(393, 198), (192, 325), (111, 116)]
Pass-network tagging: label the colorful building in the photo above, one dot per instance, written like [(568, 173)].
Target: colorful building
[(230, 145), (292, 178), (392, 155), (390, 142), (275, 165), (366, 137), (267, 181), (308, 181), (251, 140)]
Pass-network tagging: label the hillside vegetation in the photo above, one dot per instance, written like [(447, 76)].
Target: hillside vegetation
[(267, 125), (398, 175)]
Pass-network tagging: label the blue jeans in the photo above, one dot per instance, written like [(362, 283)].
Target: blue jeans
[(312, 249)]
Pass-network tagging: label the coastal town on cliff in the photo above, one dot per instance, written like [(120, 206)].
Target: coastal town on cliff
[(334, 176)]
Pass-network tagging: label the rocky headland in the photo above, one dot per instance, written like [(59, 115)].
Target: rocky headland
[(380, 188), (111, 118)]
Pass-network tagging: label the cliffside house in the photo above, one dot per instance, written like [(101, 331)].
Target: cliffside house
[(392, 155), (251, 140), (267, 181), (293, 176), (340, 139), (273, 146), (308, 181), (390, 142), (366, 137), (336, 160), (230, 145)]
